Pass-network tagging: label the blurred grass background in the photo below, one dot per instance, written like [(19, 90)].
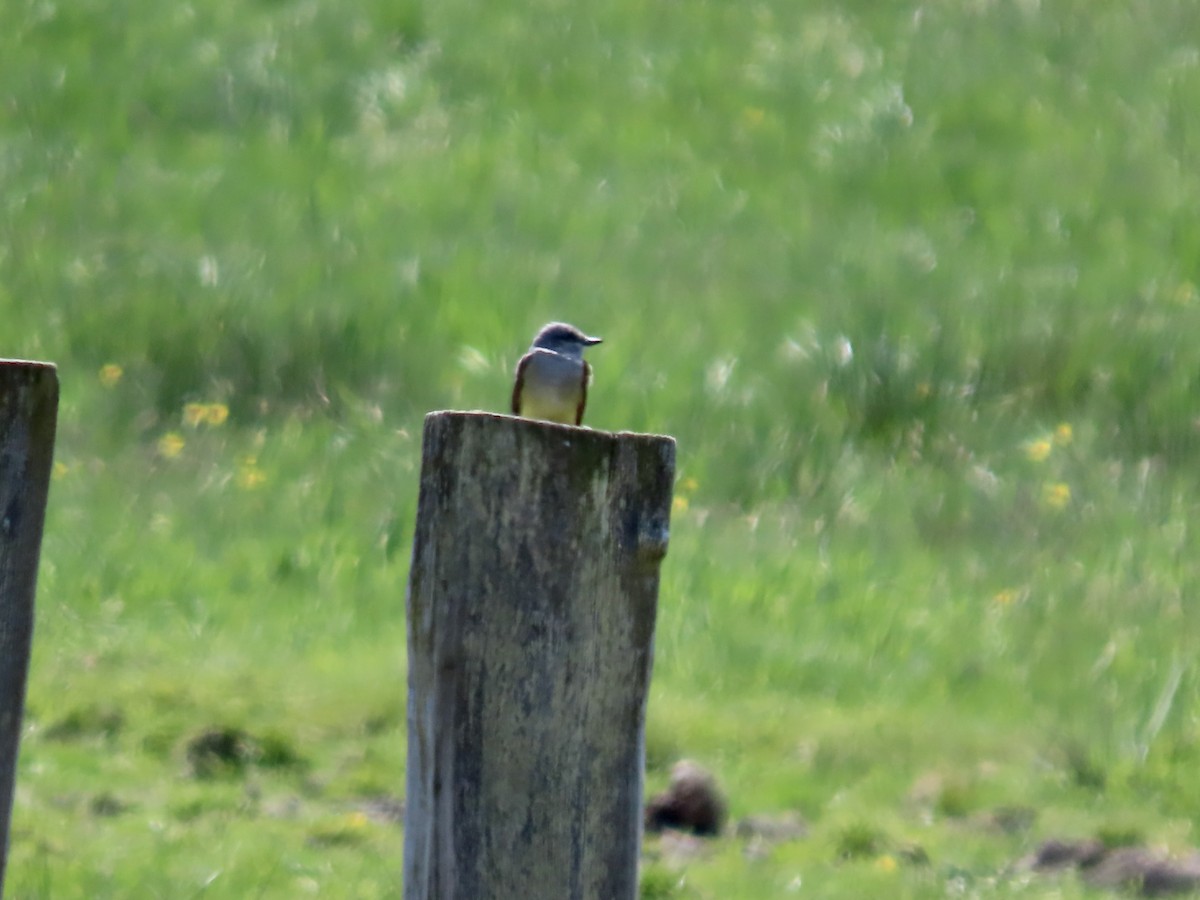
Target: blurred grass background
[(913, 284)]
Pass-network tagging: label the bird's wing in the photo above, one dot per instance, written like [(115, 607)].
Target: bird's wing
[(583, 386), (519, 383)]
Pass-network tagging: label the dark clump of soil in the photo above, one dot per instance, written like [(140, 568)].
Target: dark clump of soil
[(692, 802), (227, 750), (222, 750), (87, 722)]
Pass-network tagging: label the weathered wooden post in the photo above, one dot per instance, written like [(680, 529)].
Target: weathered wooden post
[(531, 611), (28, 415)]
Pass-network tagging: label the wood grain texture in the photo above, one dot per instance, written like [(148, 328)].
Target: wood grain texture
[(28, 418), (531, 611)]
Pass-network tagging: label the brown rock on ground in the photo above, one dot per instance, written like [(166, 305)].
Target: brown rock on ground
[(1060, 854), (1149, 873), (774, 829)]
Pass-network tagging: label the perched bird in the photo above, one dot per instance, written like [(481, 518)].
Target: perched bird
[(552, 378)]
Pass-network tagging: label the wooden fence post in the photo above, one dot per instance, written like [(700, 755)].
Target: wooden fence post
[(531, 610), (28, 416)]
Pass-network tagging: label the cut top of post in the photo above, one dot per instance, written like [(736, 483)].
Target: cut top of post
[(563, 469)]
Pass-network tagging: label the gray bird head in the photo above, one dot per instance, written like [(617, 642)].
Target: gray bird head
[(559, 337)]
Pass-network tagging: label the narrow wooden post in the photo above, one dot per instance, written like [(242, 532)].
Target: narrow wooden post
[(531, 610), (28, 416)]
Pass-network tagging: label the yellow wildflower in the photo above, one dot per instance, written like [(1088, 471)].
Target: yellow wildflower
[(886, 863), (1005, 597), (60, 469), (170, 445), (194, 414), (249, 475), (1063, 434), (1037, 451), (679, 504), (216, 413), (689, 484), (1056, 495), (110, 374), (753, 116)]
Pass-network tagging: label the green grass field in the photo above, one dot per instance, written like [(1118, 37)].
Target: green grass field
[(914, 285)]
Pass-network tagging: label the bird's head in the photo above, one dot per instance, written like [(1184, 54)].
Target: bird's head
[(559, 337)]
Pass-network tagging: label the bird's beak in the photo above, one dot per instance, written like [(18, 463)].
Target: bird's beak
[(592, 341)]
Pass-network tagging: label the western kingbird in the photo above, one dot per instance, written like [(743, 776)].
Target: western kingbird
[(552, 378)]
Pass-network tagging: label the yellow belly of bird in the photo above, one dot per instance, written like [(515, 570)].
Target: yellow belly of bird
[(548, 407), (551, 387)]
